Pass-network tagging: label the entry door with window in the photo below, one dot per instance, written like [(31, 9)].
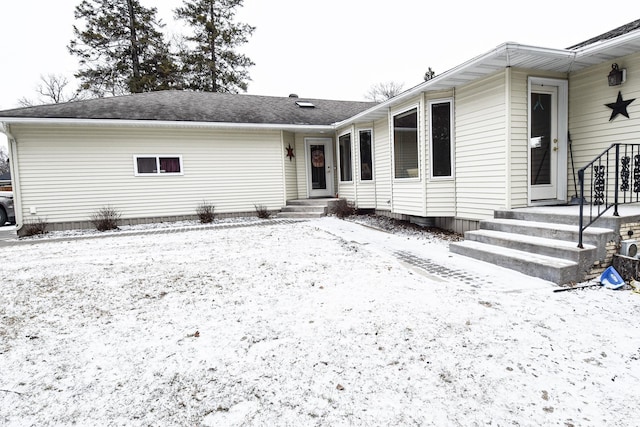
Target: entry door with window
[(319, 166), (543, 143)]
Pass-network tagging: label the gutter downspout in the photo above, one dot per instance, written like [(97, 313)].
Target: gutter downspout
[(15, 173), (284, 170), (508, 180)]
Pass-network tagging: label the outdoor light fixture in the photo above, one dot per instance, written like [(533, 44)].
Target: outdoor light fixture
[(616, 76)]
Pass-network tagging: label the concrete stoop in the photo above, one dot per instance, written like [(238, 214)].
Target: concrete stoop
[(306, 208), (536, 247)]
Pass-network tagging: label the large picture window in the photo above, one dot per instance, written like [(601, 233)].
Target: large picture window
[(366, 155), (344, 144), (405, 144), (441, 139), (155, 165)]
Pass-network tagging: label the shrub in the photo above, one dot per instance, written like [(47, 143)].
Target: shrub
[(205, 212), (105, 218), (343, 208), (35, 227), (262, 211)]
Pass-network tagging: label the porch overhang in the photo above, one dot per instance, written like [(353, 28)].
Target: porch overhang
[(514, 55)]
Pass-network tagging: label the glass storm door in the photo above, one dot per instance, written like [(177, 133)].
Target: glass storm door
[(543, 143), (319, 167)]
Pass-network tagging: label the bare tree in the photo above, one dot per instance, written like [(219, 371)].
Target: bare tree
[(53, 89), (382, 91)]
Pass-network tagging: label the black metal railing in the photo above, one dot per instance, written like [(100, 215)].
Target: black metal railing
[(613, 179)]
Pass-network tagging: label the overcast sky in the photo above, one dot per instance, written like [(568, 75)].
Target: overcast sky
[(333, 49)]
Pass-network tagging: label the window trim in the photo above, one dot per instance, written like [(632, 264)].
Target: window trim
[(340, 159), (157, 157), (393, 115), (451, 143), (373, 175)]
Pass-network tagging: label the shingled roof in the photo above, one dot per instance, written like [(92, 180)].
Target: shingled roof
[(616, 32), (186, 106)]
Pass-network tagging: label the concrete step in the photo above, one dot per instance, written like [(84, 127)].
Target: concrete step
[(305, 208), (596, 236), (539, 245), (570, 217), (554, 248), (310, 202), (300, 215), (556, 270)]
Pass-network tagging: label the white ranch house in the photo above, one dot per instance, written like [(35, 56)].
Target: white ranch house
[(469, 150)]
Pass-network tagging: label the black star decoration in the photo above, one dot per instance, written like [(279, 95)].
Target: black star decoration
[(290, 154), (619, 107)]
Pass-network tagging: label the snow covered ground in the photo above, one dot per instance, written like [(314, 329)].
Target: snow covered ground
[(321, 322)]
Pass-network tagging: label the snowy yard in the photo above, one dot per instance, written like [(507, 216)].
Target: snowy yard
[(310, 323)]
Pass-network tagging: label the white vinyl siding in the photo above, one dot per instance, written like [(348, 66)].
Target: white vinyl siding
[(519, 145), (480, 148), (68, 173), (382, 164), (291, 179), (589, 125)]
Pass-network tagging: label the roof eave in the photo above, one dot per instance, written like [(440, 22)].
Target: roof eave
[(493, 60), (165, 124), (609, 49)]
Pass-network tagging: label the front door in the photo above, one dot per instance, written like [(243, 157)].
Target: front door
[(544, 143), (319, 152)]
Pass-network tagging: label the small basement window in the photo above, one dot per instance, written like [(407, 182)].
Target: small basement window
[(156, 165)]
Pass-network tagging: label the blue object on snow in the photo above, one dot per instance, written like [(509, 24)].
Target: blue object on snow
[(611, 279)]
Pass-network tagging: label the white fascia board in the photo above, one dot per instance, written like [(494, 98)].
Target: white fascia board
[(598, 47), (165, 124), (444, 78)]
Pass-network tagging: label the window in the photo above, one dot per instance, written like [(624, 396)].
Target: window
[(155, 165), (344, 144), (366, 156), (405, 144), (441, 139)]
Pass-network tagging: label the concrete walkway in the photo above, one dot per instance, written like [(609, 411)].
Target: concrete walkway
[(9, 237), (433, 260)]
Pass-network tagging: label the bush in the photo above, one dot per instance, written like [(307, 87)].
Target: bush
[(35, 227), (105, 218), (205, 212), (262, 211), (343, 208)]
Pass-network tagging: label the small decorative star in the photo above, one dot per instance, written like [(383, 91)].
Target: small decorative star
[(290, 154), (619, 107)]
